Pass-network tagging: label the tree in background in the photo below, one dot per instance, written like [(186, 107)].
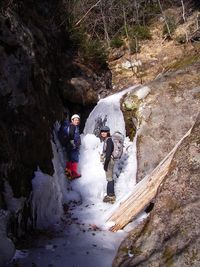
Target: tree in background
[(101, 24)]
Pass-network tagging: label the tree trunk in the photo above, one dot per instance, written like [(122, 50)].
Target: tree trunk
[(165, 19), (105, 28), (143, 193)]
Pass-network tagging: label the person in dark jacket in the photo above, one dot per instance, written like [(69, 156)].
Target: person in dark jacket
[(108, 163), (73, 146)]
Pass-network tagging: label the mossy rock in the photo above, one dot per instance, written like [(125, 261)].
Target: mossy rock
[(129, 106), (130, 103)]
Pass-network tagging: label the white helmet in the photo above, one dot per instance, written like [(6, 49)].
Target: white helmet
[(75, 116)]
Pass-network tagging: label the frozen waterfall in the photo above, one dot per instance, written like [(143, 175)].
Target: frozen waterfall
[(51, 192)]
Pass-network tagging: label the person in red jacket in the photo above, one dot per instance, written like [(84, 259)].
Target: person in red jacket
[(108, 163), (72, 147)]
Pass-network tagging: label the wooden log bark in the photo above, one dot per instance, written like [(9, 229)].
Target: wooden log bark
[(143, 193)]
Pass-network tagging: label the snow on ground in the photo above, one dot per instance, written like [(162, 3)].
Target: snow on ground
[(92, 185), (84, 239)]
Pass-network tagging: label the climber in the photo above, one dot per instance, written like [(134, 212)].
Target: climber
[(72, 147), (108, 163)]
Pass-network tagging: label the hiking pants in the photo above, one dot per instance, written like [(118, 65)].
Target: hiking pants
[(73, 155), (109, 173)]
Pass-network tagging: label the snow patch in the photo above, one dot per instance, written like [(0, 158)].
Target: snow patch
[(142, 92)]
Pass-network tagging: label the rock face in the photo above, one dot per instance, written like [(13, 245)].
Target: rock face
[(84, 86), (29, 100), (37, 65), (170, 236), (164, 115), (7, 247)]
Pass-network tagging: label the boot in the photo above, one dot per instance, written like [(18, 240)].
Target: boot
[(68, 169), (109, 199), (110, 188), (74, 168)]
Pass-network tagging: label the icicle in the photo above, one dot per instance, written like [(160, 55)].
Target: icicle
[(51, 192)]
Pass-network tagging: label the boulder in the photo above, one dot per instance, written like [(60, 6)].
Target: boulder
[(81, 91), (170, 236), (165, 114)]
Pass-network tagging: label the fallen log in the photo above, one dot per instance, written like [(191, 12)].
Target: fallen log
[(143, 193)]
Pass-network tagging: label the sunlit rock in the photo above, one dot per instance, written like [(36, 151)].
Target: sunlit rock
[(170, 236)]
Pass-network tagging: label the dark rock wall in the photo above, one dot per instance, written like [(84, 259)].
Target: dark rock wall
[(29, 99), (36, 65)]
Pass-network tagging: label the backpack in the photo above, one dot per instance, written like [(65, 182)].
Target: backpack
[(63, 133), (118, 141)]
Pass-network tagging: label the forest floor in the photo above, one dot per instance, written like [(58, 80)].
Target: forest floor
[(156, 56)]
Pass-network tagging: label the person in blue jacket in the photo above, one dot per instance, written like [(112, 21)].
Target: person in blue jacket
[(73, 147)]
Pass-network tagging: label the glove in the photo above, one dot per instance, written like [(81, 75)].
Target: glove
[(105, 166), (72, 143), (102, 157)]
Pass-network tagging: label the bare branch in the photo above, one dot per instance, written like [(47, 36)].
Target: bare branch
[(183, 7), (165, 19), (127, 35), (78, 22)]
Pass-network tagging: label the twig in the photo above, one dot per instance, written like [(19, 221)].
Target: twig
[(165, 19), (78, 22), (105, 28), (127, 35), (183, 7)]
